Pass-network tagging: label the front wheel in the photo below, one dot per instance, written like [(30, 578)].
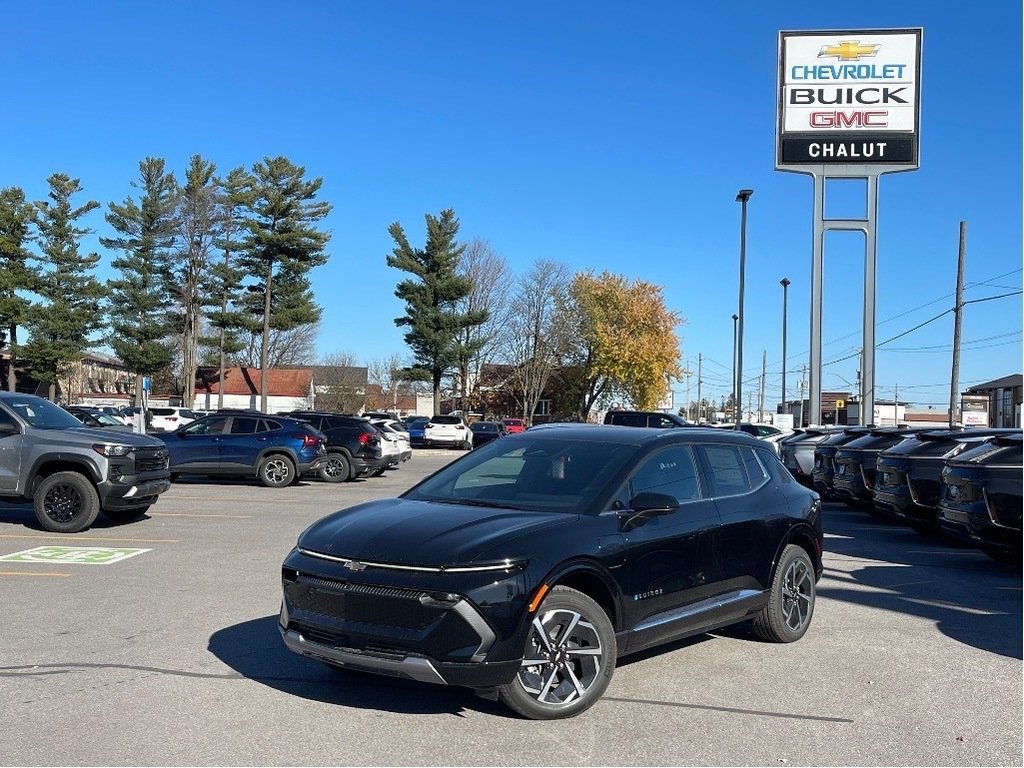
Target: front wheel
[(790, 606), (568, 660), (65, 502), (276, 471)]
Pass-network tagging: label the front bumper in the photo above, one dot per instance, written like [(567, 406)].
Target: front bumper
[(405, 624), (131, 492)]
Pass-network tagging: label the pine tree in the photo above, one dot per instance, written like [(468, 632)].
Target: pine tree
[(225, 278), (140, 297), (198, 220), (282, 246), (71, 306), (431, 297), (16, 274)]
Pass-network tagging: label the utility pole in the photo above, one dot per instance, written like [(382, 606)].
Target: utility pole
[(803, 376), (764, 370), (700, 407), (896, 407), (958, 316)]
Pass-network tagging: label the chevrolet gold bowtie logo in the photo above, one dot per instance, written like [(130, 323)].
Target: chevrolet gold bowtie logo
[(848, 50)]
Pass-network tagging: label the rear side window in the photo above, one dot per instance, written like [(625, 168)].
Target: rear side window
[(775, 467), (726, 466), (268, 425), (755, 472), (243, 426), (661, 422), (629, 419)]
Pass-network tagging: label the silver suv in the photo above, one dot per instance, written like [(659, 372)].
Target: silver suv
[(71, 473)]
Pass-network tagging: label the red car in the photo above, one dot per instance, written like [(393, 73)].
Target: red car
[(514, 425)]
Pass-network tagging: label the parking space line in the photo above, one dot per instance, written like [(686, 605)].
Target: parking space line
[(30, 573), (77, 537)]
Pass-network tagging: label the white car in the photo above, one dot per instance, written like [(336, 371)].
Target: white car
[(169, 419), (450, 431), (394, 442)]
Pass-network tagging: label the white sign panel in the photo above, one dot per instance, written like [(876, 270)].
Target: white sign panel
[(849, 97)]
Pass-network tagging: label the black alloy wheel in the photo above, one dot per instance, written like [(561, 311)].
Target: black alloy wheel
[(790, 606), (336, 468), (65, 502)]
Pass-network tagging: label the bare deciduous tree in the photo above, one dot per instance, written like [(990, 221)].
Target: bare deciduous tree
[(535, 336), (491, 281), (388, 374), (285, 349), (340, 384)]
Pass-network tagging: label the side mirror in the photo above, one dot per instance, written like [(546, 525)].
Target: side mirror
[(9, 429), (646, 505)]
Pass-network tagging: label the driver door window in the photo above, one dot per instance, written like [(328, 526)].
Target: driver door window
[(672, 471)]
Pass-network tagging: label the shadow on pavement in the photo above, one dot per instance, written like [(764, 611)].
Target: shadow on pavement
[(255, 650), (971, 598)]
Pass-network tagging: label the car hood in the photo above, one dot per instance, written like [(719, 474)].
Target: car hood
[(87, 436), (408, 532)]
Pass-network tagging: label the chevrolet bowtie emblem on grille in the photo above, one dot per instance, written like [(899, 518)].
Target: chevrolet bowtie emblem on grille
[(355, 565), (848, 50)]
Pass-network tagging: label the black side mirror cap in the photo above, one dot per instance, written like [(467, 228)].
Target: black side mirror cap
[(653, 503)]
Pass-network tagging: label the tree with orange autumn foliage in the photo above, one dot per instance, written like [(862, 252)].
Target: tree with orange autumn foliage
[(625, 341)]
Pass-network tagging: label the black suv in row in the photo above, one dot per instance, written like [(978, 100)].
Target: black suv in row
[(353, 445)]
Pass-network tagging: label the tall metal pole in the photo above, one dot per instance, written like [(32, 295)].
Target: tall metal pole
[(734, 394), (870, 263), (741, 197), (817, 281), (760, 399), (958, 310), (700, 408), (784, 282)]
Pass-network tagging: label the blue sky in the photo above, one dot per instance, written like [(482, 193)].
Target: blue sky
[(602, 135)]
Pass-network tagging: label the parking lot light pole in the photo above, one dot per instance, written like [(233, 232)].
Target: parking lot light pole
[(741, 197), (784, 282), (734, 319)]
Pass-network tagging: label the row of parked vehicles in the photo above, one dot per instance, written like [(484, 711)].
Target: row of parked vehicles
[(964, 483)]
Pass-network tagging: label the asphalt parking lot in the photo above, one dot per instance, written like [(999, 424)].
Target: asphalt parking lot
[(172, 656)]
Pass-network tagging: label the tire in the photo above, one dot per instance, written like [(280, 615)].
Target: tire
[(276, 471), (336, 469), (125, 515), (790, 607), (573, 642), (66, 502)]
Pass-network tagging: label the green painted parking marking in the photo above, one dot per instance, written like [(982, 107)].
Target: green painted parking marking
[(75, 555)]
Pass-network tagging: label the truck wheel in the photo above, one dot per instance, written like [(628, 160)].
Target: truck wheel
[(66, 502), (125, 515), (277, 471)]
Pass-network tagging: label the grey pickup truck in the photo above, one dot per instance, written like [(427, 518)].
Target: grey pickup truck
[(71, 473)]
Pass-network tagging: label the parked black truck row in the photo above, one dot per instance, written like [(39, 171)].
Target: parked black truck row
[(964, 482)]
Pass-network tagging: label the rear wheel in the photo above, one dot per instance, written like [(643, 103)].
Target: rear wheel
[(66, 502), (568, 660), (790, 606), (336, 469), (276, 471)]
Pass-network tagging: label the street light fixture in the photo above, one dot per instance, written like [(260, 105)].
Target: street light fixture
[(741, 197), (784, 282), (734, 319)]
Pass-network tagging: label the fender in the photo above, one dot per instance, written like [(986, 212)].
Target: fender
[(63, 462)]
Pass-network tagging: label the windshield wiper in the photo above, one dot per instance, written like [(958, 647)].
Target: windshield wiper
[(478, 503)]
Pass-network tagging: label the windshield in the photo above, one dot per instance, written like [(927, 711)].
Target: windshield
[(552, 475), (41, 414), (105, 420)]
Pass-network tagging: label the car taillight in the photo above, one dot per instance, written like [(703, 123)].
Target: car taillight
[(459, 426), (170, 418), (367, 439), (309, 441)]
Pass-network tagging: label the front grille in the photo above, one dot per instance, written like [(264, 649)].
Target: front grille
[(151, 461), (399, 609)]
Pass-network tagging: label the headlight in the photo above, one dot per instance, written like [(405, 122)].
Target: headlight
[(105, 449)]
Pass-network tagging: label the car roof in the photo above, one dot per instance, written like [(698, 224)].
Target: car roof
[(614, 433)]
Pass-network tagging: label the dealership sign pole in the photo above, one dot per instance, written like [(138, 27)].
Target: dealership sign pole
[(849, 106)]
